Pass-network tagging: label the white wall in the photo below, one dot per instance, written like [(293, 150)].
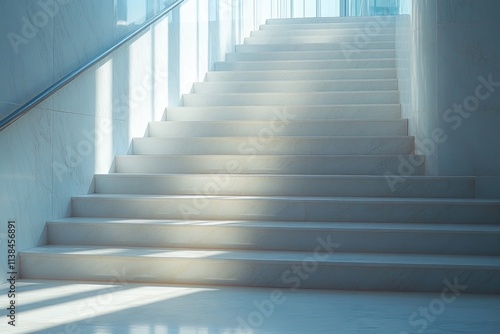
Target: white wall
[(416, 49), (446, 49)]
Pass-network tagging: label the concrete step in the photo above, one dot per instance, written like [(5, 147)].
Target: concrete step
[(301, 86), (284, 185), (293, 65), (309, 55), (279, 114), (360, 128), (297, 75), (319, 270), (311, 209), (382, 20), (360, 33), (360, 41), (272, 164), (368, 27), (457, 239), (291, 99), (451, 239), (347, 47), (266, 143)]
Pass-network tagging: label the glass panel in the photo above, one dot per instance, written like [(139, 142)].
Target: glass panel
[(309, 8), (330, 8), (297, 8), (359, 8), (384, 7)]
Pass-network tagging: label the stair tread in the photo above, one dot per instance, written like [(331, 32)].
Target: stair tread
[(319, 31), (278, 156), (313, 39), (321, 43), (332, 258), (354, 92), (375, 45), (300, 74), (285, 99), (340, 19), (289, 164), (392, 200), (307, 121), (326, 226), (286, 144), (306, 52), (308, 70), (273, 107), (314, 60), (313, 113), (288, 176), (326, 26), (305, 81), (277, 138)]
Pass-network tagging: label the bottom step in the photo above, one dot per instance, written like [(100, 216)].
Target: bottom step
[(321, 269)]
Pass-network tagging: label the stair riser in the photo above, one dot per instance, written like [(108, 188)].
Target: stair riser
[(355, 112), (209, 271), (285, 99), (288, 165), (306, 65), (299, 87), (263, 238), (347, 47), (268, 185), (267, 143), (326, 74), (382, 20), (321, 55), (296, 128), (365, 32), (286, 209), (360, 41), (367, 27)]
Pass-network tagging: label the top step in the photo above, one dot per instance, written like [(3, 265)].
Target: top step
[(321, 20)]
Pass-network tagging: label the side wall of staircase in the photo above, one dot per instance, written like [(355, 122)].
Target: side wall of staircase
[(447, 54)]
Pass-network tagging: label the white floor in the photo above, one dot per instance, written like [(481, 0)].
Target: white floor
[(73, 307)]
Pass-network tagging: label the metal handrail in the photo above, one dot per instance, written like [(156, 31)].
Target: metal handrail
[(21, 111)]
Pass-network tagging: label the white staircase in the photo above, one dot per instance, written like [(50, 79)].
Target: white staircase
[(273, 173)]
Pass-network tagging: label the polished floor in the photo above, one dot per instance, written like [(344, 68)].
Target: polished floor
[(116, 307)]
